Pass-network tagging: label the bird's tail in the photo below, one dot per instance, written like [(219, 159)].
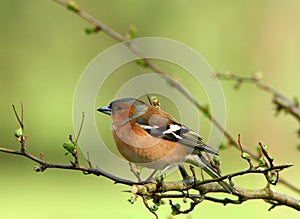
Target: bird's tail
[(203, 163)]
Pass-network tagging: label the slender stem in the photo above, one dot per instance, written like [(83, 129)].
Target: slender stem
[(18, 118), (279, 99), (44, 165)]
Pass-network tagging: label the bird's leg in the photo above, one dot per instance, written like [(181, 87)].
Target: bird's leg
[(151, 176), (162, 172), (183, 171), (134, 169)]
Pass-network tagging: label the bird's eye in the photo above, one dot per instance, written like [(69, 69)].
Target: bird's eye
[(119, 107)]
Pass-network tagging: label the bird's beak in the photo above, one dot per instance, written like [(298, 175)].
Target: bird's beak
[(105, 109)]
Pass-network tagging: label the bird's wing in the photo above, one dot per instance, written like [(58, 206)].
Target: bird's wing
[(165, 127)]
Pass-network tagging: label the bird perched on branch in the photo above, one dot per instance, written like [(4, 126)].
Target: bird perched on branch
[(152, 138)]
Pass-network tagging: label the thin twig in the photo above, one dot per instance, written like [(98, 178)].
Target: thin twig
[(244, 155), (244, 172), (45, 165), (88, 159), (18, 118), (177, 210), (279, 99), (135, 172), (80, 127), (148, 207), (22, 114)]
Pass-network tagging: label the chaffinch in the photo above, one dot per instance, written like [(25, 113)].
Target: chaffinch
[(152, 138)]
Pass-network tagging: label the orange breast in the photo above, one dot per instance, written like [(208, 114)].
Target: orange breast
[(137, 146)]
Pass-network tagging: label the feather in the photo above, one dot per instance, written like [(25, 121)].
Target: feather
[(162, 125)]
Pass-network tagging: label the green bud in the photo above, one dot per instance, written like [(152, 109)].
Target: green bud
[(298, 146), (258, 148), (19, 133), (148, 197), (90, 30), (231, 183), (222, 146), (155, 102), (141, 63), (216, 159), (73, 6), (206, 110), (162, 202), (261, 161), (131, 33), (184, 200), (69, 146), (245, 155), (265, 147), (177, 206), (271, 158), (131, 200), (154, 208), (173, 213), (67, 153), (271, 179), (154, 99), (158, 178)]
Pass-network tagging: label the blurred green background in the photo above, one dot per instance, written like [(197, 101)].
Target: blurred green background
[(44, 50)]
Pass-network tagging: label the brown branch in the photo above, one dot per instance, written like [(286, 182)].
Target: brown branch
[(43, 165), (80, 128), (267, 195), (145, 189), (244, 155), (282, 102), (258, 170), (244, 194), (279, 100), (189, 183), (17, 116)]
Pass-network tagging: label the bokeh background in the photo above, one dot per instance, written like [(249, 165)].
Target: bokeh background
[(44, 50)]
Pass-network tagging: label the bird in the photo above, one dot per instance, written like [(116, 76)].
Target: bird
[(152, 138)]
